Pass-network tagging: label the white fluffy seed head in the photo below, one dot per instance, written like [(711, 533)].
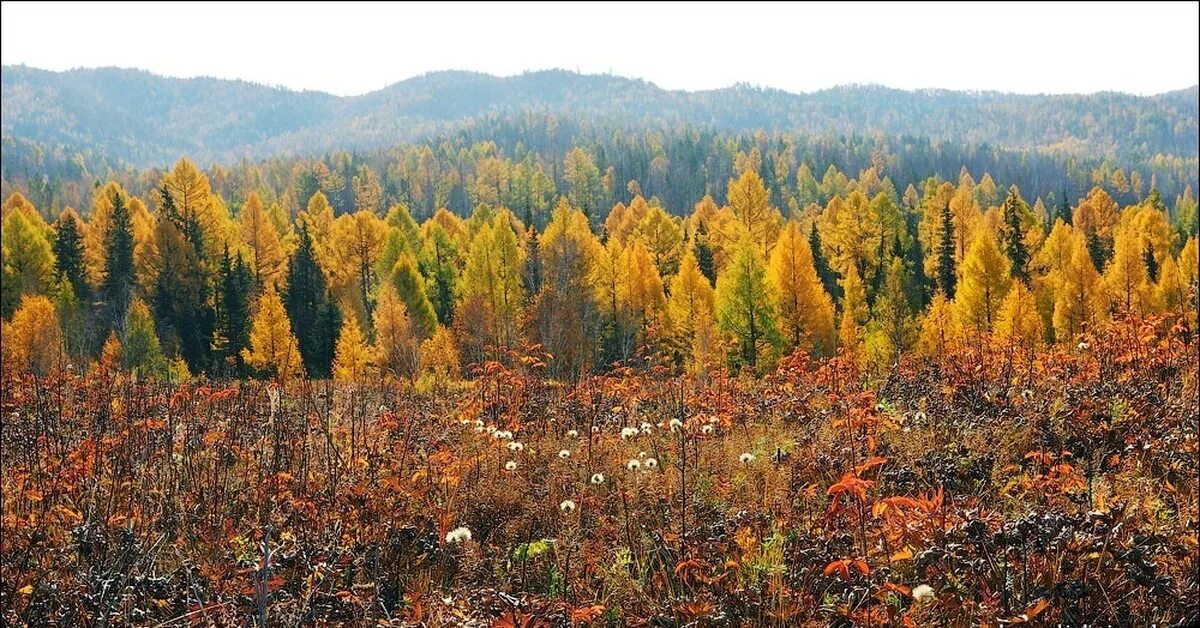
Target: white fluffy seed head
[(633, 465), (597, 478), (628, 432), (511, 465), (458, 535), (646, 428), (572, 433), (707, 429), (651, 463), (567, 506), (746, 458), (675, 424), (516, 446), (923, 593), (564, 453)]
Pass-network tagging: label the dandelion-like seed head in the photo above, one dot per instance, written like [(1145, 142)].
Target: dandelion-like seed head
[(920, 415), (458, 535), (707, 429), (746, 458), (516, 446), (564, 453), (567, 506), (646, 428), (1083, 346), (511, 465), (478, 422), (572, 433), (650, 463), (633, 465), (675, 424), (1027, 393), (597, 478), (628, 432), (923, 593)]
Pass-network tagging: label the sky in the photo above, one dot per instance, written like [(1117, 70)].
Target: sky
[(349, 48)]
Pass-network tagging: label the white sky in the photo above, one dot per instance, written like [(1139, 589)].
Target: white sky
[(350, 49)]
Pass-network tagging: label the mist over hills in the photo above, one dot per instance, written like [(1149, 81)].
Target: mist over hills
[(142, 119)]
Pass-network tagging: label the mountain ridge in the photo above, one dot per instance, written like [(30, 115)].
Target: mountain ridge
[(145, 119)]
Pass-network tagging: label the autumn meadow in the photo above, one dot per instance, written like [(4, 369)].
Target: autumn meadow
[(563, 349)]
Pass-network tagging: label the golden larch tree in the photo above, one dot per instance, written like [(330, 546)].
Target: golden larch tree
[(273, 347), (805, 309)]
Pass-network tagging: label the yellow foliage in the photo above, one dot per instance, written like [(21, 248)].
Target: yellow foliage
[(273, 348), (33, 341)]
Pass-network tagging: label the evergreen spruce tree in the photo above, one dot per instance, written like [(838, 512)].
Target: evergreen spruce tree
[(919, 289), (117, 286), (1014, 235), (68, 253), (1151, 263), (233, 314), (314, 317), (828, 278), (704, 254), (946, 275)]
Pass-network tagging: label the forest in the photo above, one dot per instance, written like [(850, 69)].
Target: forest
[(539, 370)]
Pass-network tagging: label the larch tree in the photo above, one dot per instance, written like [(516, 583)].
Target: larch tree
[(492, 286), (805, 309), (395, 340), (33, 340), (854, 309), (691, 298), (750, 202), (273, 348), (1172, 294), (583, 181), (141, 353), (892, 326), (1080, 296), (267, 256), (563, 315), (28, 260), (439, 263), (410, 287), (1126, 278), (1019, 325), (663, 237), (985, 280), (354, 357), (358, 240), (745, 305), (642, 292), (1096, 218), (940, 328)]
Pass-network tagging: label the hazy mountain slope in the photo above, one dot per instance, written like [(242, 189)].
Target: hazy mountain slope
[(145, 119)]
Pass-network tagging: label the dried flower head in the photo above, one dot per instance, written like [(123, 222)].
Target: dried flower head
[(567, 506), (458, 535)]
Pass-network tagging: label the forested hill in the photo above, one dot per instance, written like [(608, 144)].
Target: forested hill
[(142, 119)]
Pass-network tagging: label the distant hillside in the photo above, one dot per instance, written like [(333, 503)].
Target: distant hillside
[(143, 119)]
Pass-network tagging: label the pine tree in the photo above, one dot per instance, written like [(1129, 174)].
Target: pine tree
[(946, 273), (1064, 209), (117, 286), (313, 314)]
